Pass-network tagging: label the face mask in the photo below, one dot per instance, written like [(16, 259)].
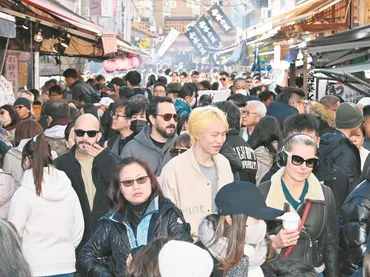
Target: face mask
[(242, 91), (137, 125), (255, 233), (100, 113), (193, 102)]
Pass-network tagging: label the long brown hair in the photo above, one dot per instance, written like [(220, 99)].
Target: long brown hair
[(145, 263), (37, 153), (27, 129), (366, 265)]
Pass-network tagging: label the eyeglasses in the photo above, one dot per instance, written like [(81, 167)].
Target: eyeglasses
[(168, 116), (223, 79), (298, 160), (116, 116), (19, 107), (247, 113), (249, 81), (305, 103), (90, 133), (177, 151), (2, 112), (159, 91), (129, 183)]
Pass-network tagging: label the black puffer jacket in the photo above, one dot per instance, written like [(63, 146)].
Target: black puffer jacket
[(318, 242), (339, 150), (106, 252), (354, 227)]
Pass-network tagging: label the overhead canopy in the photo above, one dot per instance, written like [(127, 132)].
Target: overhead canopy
[(7, 25), (342, 47)]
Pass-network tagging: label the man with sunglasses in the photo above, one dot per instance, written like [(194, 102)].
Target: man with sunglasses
[(90, 168), (154, 142), (224, 79), (23, 108)]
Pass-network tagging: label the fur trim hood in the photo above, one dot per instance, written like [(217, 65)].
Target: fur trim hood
[(323, 113)]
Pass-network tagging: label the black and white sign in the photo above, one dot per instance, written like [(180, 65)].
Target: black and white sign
[(220, 18), (196, 39), (208, 32)]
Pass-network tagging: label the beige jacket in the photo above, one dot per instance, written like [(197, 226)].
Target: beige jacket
[(183, 182)]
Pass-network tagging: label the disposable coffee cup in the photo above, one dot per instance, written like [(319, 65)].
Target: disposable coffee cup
[(291, 221)]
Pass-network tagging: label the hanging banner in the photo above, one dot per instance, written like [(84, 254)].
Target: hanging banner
[(169, 40), (196, 39), (95, 7), (220, 18), (208, 32)]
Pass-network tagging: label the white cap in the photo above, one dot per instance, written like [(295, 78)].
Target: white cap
[(106, 101), (364, 101), (184, 259)]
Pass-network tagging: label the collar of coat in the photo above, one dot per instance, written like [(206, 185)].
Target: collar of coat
[(189, 155), (276, 198), (319, 110)]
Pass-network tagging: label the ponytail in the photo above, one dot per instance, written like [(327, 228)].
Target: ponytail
[(37, 152)]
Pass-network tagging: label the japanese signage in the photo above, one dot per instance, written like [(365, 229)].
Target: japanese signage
[(95, 7), (220, 18), (11, 72), (109, 44), (144, 44), (169, 40), (208, 31), (196, 39)]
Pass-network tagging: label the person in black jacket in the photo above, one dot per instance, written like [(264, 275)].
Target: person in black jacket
[(291, 189), (247, 171), (90, 168), (141, 213), (78, 87), (338, 148), (354, 227)]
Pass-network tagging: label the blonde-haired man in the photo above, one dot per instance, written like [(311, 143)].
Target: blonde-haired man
[(191, 180)]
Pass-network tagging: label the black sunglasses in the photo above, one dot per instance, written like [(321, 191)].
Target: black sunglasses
[(168, 116), (177, 151), (130, 183), (223, 79), (298, 160), (90, 133)]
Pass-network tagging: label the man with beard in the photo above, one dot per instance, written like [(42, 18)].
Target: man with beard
[(90, 168), (154, 142)]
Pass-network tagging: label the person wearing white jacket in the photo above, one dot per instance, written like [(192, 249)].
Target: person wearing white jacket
[(46, 212)]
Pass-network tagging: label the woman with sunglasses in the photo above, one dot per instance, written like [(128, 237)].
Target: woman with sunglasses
[(295, 188), (140, 214), (47, 213), (10, 119)]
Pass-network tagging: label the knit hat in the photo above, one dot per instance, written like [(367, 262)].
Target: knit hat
[(23, 101), (348, 116), (184, 259), (244, 198)]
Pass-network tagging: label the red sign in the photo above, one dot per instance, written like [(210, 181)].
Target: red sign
[(95, 7), (109, 44)]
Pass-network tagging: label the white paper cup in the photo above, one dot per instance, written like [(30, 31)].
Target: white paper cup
[(291, 221)]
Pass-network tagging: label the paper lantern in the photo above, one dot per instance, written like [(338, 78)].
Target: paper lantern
[(134, 62), (120, 64), (126, 64), (110, 65)]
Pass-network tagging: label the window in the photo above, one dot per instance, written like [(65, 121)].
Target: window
[(196, 9), (173, 4), (189, 3), (166, 9)]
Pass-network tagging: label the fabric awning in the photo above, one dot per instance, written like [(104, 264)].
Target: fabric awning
[(7, 26)]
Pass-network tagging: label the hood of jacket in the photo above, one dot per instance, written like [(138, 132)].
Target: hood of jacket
[(55, 132), (55, 185), (281, 111), (17, 151), (144, 138), (320, 111)]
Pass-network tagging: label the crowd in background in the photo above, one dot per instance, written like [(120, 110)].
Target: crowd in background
[(132, 177)]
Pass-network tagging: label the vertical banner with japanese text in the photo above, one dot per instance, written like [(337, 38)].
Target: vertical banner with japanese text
[(218, 16), (169, 40), (11, 71), (196, 39), (208, 32), (95, 7)]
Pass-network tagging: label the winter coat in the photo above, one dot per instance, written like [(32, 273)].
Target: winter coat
[(115, 239), (103, 168), (317, 243), (114, 142), (182, 108), (340, 151), (184, 183), (7, 189), (51, 225), (142, 147), (354, 221), (80, 88), (328, 174), (281, 111), (248, 169), (236, 164), (264, 162), (325, 117), (358, 273), (56, 140)]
